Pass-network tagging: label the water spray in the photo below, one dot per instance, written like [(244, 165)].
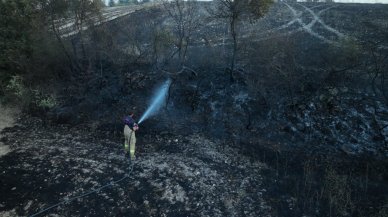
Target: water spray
[(157, 101)]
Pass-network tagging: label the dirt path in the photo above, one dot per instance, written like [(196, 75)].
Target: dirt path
[(7, 119), (68, 27), (316, 18), (303, 19)]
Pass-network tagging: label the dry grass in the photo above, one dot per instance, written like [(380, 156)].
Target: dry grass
[(7, 119)]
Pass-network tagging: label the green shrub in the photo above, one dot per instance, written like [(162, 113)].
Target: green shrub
[(17, 92), (15, 86), (43, 101)]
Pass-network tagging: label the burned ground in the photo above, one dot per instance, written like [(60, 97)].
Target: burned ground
[(300, 131), (172, 175)]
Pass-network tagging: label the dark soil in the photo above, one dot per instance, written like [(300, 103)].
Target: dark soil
[(299, 132), (172, 175)]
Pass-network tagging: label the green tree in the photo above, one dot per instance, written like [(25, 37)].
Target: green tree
[(16, 18), (17, 21), (84, 13), (30, 56), (31, 43)]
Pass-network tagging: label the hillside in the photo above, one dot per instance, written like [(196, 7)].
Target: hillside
[(299, 126)]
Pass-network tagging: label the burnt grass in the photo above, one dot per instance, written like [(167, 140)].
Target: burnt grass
[(298, 182), (177, 175), (172, 175), (219, 148)]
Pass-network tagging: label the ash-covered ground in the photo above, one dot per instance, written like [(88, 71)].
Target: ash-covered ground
[(306, 140), (172, 175)]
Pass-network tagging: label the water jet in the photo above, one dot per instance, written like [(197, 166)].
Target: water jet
[(157, 101)]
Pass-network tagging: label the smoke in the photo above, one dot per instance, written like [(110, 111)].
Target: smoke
[(157, 101)]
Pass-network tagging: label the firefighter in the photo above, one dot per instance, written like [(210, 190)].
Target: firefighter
[(130, 127)]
